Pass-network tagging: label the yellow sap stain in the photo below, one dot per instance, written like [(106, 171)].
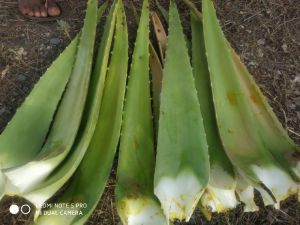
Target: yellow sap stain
[(231, 98), (255, 96)]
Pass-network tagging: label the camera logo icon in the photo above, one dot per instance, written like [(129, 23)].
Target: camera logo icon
[(24, 209)]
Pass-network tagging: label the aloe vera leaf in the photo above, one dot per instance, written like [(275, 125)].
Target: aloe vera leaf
[(2, 184), (220, 194), (32, 120), (237, 121), (182, 164), (156, 77), (60, 176), (136, 203), (160, 34), (245, 193), (162, 11), (273, 135), (98, 160), (67, 120)]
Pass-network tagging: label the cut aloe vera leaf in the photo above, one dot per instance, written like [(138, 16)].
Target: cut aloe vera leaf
[(273, 135), (182, 164), (67, 120), (97, 162), (245, 192), (56, 180), (240, 116), (220, 194), (31, 122), (136, 203)]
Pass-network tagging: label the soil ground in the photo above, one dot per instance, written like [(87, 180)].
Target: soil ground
[(266, 33)]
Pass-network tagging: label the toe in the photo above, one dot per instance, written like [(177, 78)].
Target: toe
[(37, 12), (53, 9), (43, 11), (30, 13), (24, 9)]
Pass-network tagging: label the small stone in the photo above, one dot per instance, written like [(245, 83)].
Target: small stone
[(260, 53), (55, 41), (297, 79), (253, 63), (21, 77), (284, 48), (261, 41)]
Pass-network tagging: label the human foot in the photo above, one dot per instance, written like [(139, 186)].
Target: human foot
[(39, 8)]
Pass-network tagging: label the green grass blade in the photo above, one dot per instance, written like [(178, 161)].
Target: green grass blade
[(96, 165), (32, 120), (136, 203), (241, 116), (182, 166), (220, 194), (67, 120)]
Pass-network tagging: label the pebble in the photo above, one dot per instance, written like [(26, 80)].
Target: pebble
[(260, 53), (261, 41), (284, 48), (297, 79), (55, 41), (21, 77)]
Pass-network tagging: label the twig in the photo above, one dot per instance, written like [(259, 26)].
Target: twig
[(293, 132), (193, 8)]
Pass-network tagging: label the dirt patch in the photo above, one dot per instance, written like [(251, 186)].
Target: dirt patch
[(266, 33)]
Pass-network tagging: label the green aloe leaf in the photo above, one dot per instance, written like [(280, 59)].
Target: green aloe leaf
[(32, 120), (220, 193), (59, 177), (97, 162), (182, 165), (251, 135), (136, 203), (156, 77), (68, 117)]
